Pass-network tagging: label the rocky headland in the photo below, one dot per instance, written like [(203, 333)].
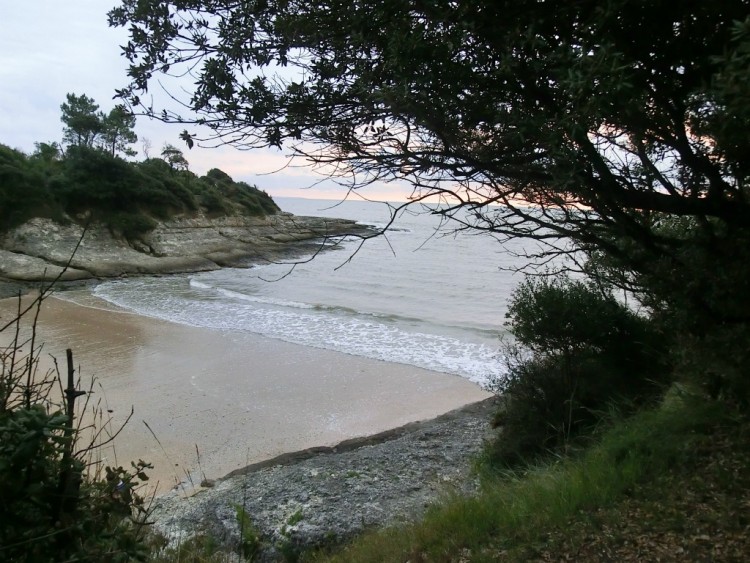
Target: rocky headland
[(40, 249)]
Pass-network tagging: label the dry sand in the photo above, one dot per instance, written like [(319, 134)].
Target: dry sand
[(237, 398)]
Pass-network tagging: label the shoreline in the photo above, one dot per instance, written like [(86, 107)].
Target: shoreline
[(200, 411)]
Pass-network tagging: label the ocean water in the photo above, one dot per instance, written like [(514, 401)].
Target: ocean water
[(420, 296)]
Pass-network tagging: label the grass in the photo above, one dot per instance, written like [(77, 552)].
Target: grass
[(518, 512), (196, 549)]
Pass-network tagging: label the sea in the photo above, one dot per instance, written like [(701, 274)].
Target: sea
[(422, 294)]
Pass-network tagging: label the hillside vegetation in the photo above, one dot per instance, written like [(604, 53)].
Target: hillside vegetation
[(609, 447), (89, 183), (668, 484)]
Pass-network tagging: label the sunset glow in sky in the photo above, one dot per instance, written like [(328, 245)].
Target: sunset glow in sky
[(49, 48)]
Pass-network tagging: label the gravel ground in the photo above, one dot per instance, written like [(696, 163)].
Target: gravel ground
[(326, 495)]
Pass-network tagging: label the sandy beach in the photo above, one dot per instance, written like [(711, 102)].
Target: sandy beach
[(237, 399)]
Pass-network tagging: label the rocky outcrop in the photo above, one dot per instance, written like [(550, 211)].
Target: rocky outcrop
[(328, 495), (41, 248)]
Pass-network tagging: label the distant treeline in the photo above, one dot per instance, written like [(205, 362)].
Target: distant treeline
[(87, 182)]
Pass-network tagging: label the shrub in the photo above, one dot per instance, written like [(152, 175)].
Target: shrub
[(577, 351), (220, 194), (131, 225), (54, 504), (212, 201), (216, 176), (250, 540), (23, 190), (91, 182), (176, 183)]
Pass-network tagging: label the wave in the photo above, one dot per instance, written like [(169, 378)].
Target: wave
[(249, 298), (199, 285), (355, 335), (333, 309), (392, 229)]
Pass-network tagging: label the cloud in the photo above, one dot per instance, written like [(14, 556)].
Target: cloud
[(47, 49)]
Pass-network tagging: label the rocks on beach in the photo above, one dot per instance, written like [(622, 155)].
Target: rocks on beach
[(325, 495)]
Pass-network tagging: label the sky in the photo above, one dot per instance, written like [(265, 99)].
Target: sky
[(49, 48)]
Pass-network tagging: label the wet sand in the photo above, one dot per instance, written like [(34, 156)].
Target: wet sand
[(235, 398)]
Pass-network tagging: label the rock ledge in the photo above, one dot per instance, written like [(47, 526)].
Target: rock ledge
[(325, 495), (39, 249)]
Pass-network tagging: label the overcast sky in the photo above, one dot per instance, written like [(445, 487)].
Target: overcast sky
[(49, 48)]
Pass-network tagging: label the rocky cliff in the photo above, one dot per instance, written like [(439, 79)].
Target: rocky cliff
[(40, 248)]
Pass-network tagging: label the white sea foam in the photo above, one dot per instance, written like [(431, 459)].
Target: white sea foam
[(266, 300), (245, 297), (199, 285)]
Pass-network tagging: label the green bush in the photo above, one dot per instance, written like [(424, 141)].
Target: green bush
[(54, 503), (98, 181), (255, 201), (250, 541), (23, 190), (216, 176), (220, 194), (212, 202), (519, 510), (577, 352), (131, 225), (176, 183), (91, 182), (94, 180), (42, 519)]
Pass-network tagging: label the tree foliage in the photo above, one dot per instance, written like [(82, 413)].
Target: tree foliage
[(174, 157), (22, 191), (90, 180), (128, 196), (611, 107), (47, 152), (563, 317), (596, 123), (82, 120), (117, 131), (86, 126)]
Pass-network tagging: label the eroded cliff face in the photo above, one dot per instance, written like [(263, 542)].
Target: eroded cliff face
[(39, 249)]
